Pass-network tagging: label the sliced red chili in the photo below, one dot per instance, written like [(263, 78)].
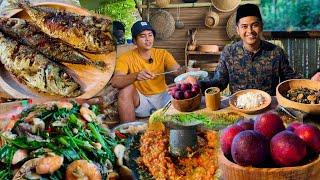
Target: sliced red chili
[(120, 135)]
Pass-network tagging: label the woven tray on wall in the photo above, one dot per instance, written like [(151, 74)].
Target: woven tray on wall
[(163, 23)]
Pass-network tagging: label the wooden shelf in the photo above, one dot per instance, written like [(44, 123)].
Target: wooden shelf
[(202, 53)]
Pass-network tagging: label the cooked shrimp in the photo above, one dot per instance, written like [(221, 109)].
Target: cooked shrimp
[(25, 168), (87, 114), (49, 164), (19, 155), (82, 169)]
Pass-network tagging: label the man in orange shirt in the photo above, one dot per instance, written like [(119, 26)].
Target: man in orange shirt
[(142, 91)]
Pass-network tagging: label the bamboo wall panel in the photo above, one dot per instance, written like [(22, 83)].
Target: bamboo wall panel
[(303, 53)]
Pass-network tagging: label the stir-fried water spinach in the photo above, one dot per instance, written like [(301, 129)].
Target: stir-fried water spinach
[(61, 131)]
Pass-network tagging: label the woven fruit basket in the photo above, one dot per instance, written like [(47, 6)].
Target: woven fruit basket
[(232, 171)]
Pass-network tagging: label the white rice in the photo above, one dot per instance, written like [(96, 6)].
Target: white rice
[(249, 100)]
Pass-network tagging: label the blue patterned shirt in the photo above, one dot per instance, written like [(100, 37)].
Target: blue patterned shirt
[(242, 69)]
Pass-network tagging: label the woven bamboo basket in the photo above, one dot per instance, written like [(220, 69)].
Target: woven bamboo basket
[(226, 5), (162, 3), (211, 19), (187, 105), (231, 27), (232, 171), (163, 23)]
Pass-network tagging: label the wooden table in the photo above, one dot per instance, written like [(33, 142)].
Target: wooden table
[(224, 107)]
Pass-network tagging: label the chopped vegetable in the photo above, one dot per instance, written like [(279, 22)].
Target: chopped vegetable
[(217, 121)]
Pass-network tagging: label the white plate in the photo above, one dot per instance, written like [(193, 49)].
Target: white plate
[(199, 74)]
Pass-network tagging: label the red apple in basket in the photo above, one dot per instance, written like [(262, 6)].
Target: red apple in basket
[(185, 86), (287, 149), (310, 135), (268, 124), (247, 124), (227, 136), (195, 89), (178, 95), (172, 90), (250, 148), (293, 126), (188, 94)]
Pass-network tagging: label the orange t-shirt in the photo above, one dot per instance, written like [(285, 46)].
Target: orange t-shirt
[(132, 62)]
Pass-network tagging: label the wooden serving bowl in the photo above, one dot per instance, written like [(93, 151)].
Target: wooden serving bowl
[(187, 105), (233, 171), (261, 108), (283, 88), (208, 48)]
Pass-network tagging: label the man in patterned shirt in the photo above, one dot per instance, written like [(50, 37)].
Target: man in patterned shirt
[(251, 62)]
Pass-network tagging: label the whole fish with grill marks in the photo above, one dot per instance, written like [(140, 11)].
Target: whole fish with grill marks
[(87, 33), (35, 70), (31, 35)]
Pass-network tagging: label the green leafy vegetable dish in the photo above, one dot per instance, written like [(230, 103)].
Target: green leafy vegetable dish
[(58, 140)]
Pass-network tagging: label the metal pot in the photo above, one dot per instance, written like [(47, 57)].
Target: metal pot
[(182, 138)]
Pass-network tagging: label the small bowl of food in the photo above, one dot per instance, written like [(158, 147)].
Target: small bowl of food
[(250, 101), (300, 94), (186, 97)]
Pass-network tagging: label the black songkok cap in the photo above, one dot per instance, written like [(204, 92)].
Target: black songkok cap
[(248, 10)]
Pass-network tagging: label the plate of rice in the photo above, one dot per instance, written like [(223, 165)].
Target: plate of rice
[(250, 101)]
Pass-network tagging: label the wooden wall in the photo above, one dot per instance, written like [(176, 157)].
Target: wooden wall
[(303, 53), (193, 17)]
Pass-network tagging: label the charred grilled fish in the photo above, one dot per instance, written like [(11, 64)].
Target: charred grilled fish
[(35, 70), (31, 35), (87, 33)]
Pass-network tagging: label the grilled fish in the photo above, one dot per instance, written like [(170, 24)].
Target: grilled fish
[(35, 70), (30, 34), (87, 33)]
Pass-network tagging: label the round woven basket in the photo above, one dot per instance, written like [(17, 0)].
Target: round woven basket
[(231, 27), (162, 3), (225, 5), (211, 19), (234, 171), (163, 23)]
